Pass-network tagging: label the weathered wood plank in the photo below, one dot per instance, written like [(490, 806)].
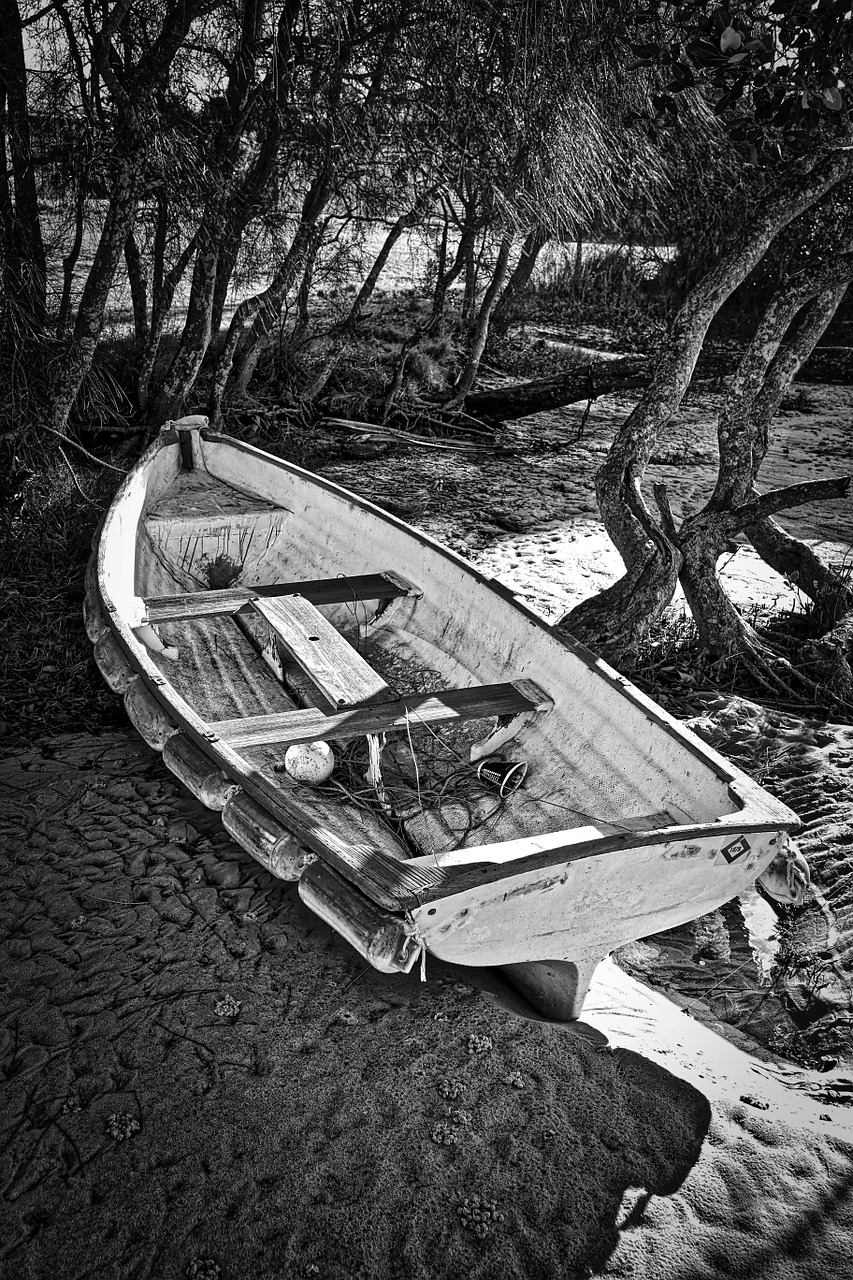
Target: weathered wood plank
[(328, 659), (204, 604), (310, 724)]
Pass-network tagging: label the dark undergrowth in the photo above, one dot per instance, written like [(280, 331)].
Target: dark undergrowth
[(672, 666), (48, 679)]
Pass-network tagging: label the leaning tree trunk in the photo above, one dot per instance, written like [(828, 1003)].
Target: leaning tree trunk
[(258, 314), (405, 222), (195, 338), (577, 383), (76, 362), (303, 293), (762, 376), (795, 560), (830, 591), (723, 631), (341, 333), (226, 264), (69, 262), (448, 277), (161, 303), (138, 290), (466, 378), (619, 616), (518, 281)]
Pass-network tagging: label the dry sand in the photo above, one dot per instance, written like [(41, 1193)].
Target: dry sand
[(200, 1080), (287, 1111)]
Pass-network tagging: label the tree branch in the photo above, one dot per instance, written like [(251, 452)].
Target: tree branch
[(792, 495)]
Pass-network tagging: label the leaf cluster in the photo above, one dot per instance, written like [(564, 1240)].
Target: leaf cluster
[(777, 74)]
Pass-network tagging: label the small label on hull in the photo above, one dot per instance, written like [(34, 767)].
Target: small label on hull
[(731, 852)]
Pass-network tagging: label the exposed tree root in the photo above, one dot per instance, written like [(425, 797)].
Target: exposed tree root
[(832, 654), (830, 686)]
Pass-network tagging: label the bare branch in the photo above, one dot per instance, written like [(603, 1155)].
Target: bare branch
[(792, 495)]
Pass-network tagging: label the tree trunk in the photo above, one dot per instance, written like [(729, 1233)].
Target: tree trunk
[(158, 256), (471, 263), (138, 290), (703, 538), (226, 262), (161, 304), (259, 317), (404, 223), (69, 262), (262, 310), (790, 556), (618, 483), (134, 92), (723, 632), (341, 332), (25, 262), (643, 592), (519, 279), (795, 560), (440, 289), (446, 278), (764, 373), (466, 378), (744, 420), (195, 339), (76, 362), (303, 294), (231, 201)]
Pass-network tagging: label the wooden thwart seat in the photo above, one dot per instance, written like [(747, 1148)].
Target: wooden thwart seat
[(520, 698), (333, 666), (387, 585)]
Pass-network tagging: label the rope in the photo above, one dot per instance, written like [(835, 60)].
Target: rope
[(414, 762), (374, 768), (412, 931)]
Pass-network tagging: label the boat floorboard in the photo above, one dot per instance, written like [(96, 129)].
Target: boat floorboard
[(219, 672), (222, 675)]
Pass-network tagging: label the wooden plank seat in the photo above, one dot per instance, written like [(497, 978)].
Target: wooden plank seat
[(336, 669), (387, 585), (514, 701)]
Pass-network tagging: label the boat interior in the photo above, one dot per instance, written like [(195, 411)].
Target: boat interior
[(299, 613)]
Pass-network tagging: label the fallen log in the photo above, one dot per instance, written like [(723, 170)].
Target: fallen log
[(580, 383)]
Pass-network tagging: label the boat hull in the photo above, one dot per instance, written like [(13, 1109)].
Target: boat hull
[(536, 904)]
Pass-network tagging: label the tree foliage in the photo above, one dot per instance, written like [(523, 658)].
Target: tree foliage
[(776, 73)]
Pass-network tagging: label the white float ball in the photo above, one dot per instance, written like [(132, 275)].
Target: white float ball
[(310, 762)]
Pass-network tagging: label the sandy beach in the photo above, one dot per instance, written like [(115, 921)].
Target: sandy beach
[(200, 1080)]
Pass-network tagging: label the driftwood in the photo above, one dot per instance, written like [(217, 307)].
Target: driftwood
[(378, 432)]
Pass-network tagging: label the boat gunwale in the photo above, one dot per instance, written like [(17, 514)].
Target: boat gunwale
[(395, 884)]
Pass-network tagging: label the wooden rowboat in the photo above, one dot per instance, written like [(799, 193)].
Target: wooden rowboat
[(243, 606)]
